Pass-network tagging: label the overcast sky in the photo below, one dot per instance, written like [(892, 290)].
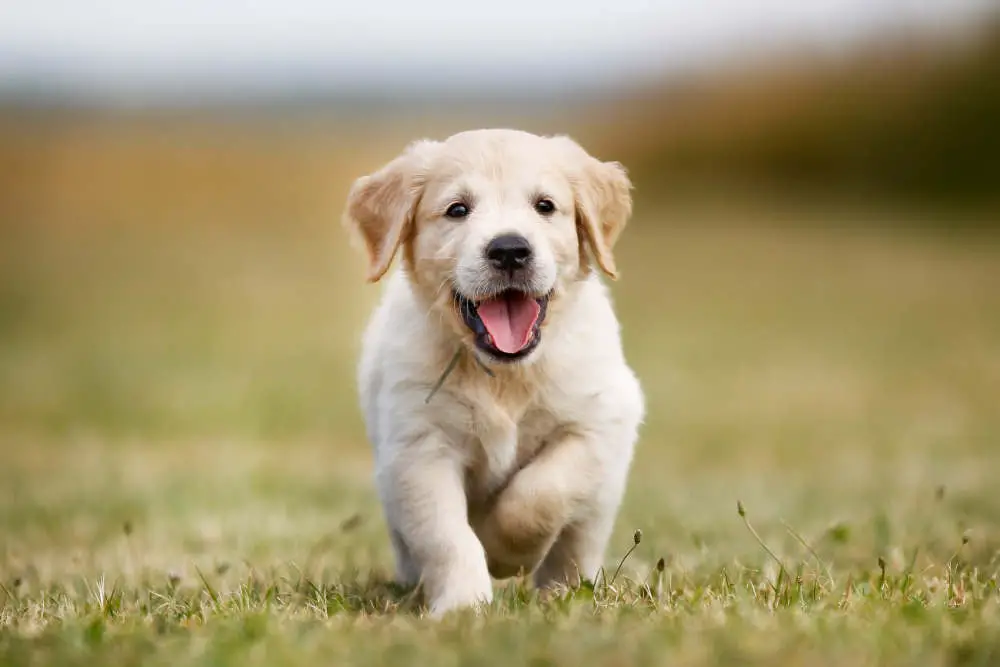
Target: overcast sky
[(136, 45)]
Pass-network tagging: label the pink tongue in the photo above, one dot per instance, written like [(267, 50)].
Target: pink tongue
[(510, 319)]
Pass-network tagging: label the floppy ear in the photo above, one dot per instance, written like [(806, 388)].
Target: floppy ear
[(604, 204), (381, 206)]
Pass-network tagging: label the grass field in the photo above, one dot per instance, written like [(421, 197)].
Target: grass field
[(184, 478)]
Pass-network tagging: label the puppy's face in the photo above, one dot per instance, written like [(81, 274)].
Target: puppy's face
[(495, 226)]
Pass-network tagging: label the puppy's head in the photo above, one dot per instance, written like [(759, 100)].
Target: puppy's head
[(493, 225)]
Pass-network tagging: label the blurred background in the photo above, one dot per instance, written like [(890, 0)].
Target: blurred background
[(810, 285)]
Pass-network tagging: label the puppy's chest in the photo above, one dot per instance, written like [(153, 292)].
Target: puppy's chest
[(502, 446)]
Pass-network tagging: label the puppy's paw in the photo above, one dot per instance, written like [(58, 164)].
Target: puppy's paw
[(519, 530), (463, 583), (506, 570), (459, 594)]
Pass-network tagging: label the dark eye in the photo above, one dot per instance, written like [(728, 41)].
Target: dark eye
[(545, 206), (457, 210)]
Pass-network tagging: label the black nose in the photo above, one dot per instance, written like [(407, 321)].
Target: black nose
[(509, 252)]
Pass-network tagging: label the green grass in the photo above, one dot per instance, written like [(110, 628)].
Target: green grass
[(184, 478)]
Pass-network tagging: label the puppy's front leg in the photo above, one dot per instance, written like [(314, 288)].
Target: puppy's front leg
[(537, 504), (423, 490)]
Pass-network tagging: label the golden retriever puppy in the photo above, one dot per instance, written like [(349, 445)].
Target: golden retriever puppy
[(496, 396)]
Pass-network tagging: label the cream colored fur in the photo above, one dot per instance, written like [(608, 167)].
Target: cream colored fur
[(523, 470)]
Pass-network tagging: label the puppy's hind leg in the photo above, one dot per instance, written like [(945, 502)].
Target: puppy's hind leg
[(578, 553)]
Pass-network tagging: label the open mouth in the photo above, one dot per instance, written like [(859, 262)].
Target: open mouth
[(506, 325)]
